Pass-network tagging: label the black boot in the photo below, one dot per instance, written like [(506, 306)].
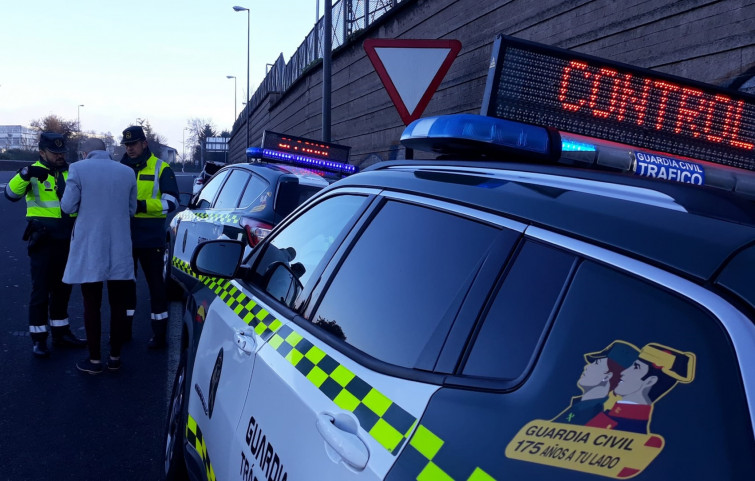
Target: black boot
[(158, 340), (40, 349), (65, 338)]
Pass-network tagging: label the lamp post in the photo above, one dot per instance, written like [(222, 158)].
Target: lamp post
[(78, 117), (242, 9), (235, 115)]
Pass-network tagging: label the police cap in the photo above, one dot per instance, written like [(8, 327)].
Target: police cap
[(675, 364), (621, 352), (134, 133), (52, 142)]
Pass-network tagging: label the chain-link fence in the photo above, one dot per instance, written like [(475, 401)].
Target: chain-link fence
[(348, 18)]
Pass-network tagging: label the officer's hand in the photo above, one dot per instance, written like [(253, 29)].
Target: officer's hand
[(141, 206), (39, 172)]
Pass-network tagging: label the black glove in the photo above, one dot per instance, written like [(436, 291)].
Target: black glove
[(34, 171), (141, 206)]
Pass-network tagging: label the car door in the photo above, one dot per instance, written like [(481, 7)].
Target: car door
[(211, 218), (338, 390), (223, 365)]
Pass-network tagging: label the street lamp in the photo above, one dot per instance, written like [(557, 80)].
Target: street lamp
[(235, 115), (78, 116), (242, 9)]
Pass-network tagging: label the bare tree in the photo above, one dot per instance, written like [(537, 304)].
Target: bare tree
[(197, 133), (154, 140), (53, 123)]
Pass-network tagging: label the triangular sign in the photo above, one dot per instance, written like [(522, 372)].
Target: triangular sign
[(411, 70)]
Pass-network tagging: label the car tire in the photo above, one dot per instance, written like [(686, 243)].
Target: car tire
[(174, 463)]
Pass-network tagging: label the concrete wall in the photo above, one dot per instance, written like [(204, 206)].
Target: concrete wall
[(708, 41)]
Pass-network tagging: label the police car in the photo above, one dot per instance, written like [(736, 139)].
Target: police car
[(244, 201), (531, 304)]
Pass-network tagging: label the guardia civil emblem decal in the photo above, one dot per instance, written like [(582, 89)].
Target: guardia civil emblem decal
[(606, 430)]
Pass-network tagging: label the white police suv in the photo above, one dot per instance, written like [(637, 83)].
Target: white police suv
[(532, 304)]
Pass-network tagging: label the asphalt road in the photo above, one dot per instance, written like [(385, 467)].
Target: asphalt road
[(58, 423)]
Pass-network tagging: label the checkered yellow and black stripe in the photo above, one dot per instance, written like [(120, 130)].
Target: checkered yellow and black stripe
[(223, 218), (195, 440), (383, 419), (387, 422), (428, 446)]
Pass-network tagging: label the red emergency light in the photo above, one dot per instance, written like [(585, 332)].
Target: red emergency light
[(577, 93)]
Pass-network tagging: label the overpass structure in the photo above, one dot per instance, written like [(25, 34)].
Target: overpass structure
[(706, 41)]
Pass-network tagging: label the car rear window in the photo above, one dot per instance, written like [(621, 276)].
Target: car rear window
[(291, 198)]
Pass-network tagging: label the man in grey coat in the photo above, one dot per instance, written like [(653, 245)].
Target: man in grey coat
[(103, 193)]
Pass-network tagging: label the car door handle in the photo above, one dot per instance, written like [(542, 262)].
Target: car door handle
[(245, 340), (341, 440)]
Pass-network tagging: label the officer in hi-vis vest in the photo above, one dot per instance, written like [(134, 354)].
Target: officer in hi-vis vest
[(48, 233), (157, 195)]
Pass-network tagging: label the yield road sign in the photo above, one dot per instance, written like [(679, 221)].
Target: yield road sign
[(411, 70)]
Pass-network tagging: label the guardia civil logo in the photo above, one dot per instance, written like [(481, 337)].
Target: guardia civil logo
[(606, 430)]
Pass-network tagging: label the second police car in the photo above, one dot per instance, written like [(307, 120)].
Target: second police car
[(533, 304), (244, 201)]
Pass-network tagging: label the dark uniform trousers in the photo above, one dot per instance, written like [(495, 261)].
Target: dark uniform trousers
[(92, 294), (48, 292), (151, 260)]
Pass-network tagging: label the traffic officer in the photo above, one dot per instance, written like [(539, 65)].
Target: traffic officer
[(48, 233), (157, 195)]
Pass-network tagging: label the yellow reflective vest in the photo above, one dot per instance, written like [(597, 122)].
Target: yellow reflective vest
[(148, 188), (41, 196)]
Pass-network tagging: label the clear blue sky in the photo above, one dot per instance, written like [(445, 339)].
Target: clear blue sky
[(161, 60)]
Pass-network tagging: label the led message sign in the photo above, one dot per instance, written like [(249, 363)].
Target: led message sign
[(306, 147), (577, 93)]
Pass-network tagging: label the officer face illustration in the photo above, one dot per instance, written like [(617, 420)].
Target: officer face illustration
[(595, 373), (635, 383)]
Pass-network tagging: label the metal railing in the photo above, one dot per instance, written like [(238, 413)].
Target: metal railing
[(349, 17)]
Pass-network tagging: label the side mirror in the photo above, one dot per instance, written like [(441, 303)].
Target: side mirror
[(281, 282), (217, 258)]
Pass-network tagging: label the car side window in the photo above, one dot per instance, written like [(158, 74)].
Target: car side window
[(393, 292), (231, 191), (294, 253), (207, 194), (254, 188), (517, 316)]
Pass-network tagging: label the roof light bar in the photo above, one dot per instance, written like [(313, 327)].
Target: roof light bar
[(476, 134), (296, 159)]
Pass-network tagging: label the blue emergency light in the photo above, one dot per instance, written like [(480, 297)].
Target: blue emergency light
[(254, 153), (258, 153), (297, 159), (308, 153), (477, 135), (572, 146)]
